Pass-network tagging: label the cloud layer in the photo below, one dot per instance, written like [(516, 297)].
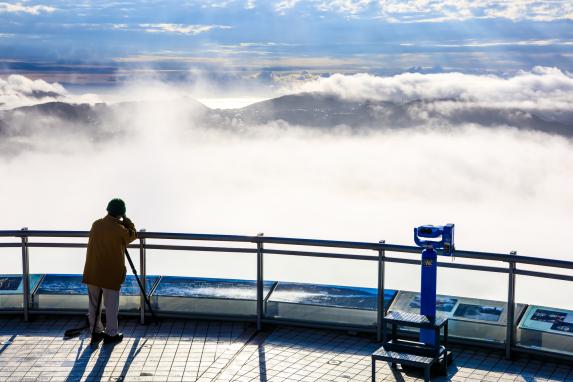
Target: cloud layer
[(537, 100), (541, 89), (17, 90), (28, 9), (286, 36), (180, 28), (508, 187), (413, 11), (439, 10)]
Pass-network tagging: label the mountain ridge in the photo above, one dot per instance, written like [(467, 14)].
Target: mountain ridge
[(312, 110)]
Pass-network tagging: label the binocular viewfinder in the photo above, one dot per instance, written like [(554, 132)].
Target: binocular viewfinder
[(446, 233)]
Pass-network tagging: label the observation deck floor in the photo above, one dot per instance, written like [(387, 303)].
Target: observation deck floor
[(191, 350)]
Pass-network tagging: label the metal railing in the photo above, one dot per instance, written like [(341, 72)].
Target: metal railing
[(380, 249)]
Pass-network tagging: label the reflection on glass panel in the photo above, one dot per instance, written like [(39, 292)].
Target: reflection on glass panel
[(63, 285), (547, 329), (68, 292), (472, 318), (329, 295), (333, 304), (209, 296), (210, 287), (11, 290), (131, 288)]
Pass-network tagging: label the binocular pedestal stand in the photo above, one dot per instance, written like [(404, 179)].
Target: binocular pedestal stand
[(428, 351)]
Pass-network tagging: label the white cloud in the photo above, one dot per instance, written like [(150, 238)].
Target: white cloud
[(411, 11), (250, 4), (29, 9), (349, 6), (343, 6), (18, 90), (452, 10), (490, 43), (542, 86), (284, 5), (190, 29), (219, 3), (485, 44)]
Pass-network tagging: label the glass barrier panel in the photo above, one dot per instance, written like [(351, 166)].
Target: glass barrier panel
[(67, 292), (468, 318), (12, 289), (209, 296), (548, 329), (330, 304)]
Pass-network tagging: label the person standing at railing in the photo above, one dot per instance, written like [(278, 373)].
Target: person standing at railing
[(104, 270)]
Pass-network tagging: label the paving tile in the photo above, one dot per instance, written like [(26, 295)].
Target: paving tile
[(205, 351)]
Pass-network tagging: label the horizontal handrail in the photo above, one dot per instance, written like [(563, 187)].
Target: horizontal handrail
[(320, 254), (199, 248), (553, 276), (397, 260), (10, 245), (43, 233), (489, 256)]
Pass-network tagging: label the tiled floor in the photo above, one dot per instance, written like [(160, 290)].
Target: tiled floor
[(185, 350)]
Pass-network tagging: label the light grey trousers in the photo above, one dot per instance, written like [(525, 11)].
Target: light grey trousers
[(111, 303)]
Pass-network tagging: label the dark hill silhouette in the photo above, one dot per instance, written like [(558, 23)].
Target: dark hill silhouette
[(325, 111), (100, 121), (313, 110)]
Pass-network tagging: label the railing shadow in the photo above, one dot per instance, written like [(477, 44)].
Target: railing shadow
[(133, 352), (81, 362), (7, 343), (82, 359), (262, 364)]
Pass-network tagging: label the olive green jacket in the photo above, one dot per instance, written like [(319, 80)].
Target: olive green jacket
[(105, 259)]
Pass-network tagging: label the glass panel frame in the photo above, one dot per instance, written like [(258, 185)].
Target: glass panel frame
[(547, 329)]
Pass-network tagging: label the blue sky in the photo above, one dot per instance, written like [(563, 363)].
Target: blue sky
[(106, 41)]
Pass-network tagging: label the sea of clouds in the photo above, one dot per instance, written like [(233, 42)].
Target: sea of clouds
[(505, 189)]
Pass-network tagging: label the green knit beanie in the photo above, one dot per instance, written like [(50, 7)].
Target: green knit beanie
[(116, 207)]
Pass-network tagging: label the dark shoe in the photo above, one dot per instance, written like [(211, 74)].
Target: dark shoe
[(97, 337), (107, 339)]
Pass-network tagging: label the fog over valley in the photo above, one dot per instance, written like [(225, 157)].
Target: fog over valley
[(355, 157)]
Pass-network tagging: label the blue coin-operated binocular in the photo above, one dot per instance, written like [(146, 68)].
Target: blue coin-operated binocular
[(444, 236), (432, 232)]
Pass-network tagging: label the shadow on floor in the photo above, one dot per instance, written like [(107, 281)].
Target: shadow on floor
[(103, 355), (262, 364), (7, 343), (413, 372)]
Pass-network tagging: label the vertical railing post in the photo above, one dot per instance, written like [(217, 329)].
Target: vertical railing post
[(381, 308), (25, 275), (259, 282), (142, 273), (510, 329)]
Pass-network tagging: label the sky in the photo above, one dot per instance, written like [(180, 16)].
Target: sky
[(106, 42)]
